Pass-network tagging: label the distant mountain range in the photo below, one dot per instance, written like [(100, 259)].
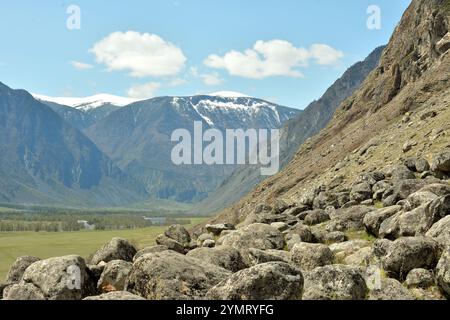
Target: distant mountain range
[(104, 151), (137, 138), (45, 160)]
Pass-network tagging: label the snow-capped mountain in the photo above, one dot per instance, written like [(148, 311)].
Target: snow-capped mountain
[(234, 111), (229, 94), (87, 103), (138, 138)]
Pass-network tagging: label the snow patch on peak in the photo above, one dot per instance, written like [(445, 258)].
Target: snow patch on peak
[(88, 103), (228, 94)]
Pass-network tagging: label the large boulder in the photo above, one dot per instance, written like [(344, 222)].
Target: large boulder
[(308, 256), (417, 164), (18, 268), (114, 275), (418, 199), (179, 234), (216, 229), (24, 291), (304, 232), (325, 199), (407, 224), (361, 192), (349, 219), (267, 281), (152, 249), (373, 220), (225, 257), (62, 278), (440, 231), (390, 289), (171, 244), (115, 295), (443, 272), (316, 217), (417, 221), (254, 256), (400, 172), (169, 275), (257, 235), (419, 278), (441, 162), (335, 282), (406, 254), (116, 249)]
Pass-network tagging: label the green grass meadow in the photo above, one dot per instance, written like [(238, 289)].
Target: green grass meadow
[(83, 243)]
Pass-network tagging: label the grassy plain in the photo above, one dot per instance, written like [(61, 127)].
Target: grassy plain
[(83, 243)]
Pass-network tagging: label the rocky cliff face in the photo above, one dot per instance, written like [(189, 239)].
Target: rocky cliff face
[(392, 108)]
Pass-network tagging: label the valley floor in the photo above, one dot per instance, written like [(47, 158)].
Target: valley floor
[(83, 243)]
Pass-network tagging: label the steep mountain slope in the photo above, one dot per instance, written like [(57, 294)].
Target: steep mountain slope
[(46, 161), (138, 136), (386, 120), (306, 124), (84, 112)]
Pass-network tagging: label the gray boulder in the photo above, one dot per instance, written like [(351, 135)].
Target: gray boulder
[(409, 253), (304, 232), (225, 257), (179, 234), (115, 295), (216, 229), (116, 249), (169, 275), (335, 282), (418, 199), (170, 243), (401, 172), (349, 219), (373, 220), (390, 289), (257, 235), (253, 257), (267, 281), (361, 192), (316, 217), (443, 272), (308, 256), (114, 275), (24, 291), (441, 162), (440, 231), (419, 278), (152, 249), (62, 278), (18, 268)]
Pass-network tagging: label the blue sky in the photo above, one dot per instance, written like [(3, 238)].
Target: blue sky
[(287, 51)]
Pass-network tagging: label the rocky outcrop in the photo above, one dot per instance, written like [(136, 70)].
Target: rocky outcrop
[(336, 282), (258, 235), (225, 257), (267, 281), (169, 275), (63, 278), (116, 249), (18, 268)]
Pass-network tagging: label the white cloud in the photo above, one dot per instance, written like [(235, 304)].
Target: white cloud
[(325, 55), (142, 54), (211, 79), (273, 58), (144, 91), (81, 65)]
